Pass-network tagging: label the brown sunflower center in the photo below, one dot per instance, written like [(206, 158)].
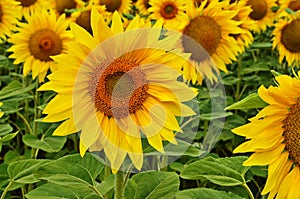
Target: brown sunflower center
[(84, 20), (146, 4), (294, 5), (111, 5), (291, 36), (291, 125), (119, 89), (61, 5), (168, 10), (1, 13), (206, 32), (260, 9), (27, 3), (44, 43)]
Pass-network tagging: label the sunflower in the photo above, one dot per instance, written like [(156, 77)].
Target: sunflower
[(28, 7), (1, 113), (171, 11), (287, 39), (274, 138), (37, 40), (8, 12), (142, 6), (118, 86), (262, 13), (245, 38), (60, 6), (294, 5), (210, 26)]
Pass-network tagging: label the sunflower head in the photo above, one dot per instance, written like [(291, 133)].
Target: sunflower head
[(28, 7)]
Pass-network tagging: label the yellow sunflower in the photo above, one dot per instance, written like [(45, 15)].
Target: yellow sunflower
[(294, 5), (1, 113), (262, 13), (142, 6), (9, 11), (245, 38), (273, 136), (287, 39), (28, 7), (171, 11), (60, 6), (37, 40), (118, 86), (210, 26)]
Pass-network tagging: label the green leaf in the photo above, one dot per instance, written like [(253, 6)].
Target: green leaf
[(221, 171), (49, 144), (205, 193), (213, 116), (5, 129), (251, 101), (14, 89), (106, 185), (66, 180), (152, 185), (8, 137), (260, 66), (261, 45)]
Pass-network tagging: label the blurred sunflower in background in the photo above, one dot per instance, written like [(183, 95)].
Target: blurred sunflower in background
[(287, 39), (114, 91), (39, 39), (29, 7), (171, 11), (211, 27), (142, 6), (262, 13), (60, 6), (294, 5), (9, 11), (273, 136)]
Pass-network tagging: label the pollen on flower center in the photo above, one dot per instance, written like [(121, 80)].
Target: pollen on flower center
[(118, 89), (206, 32), (291, 36), (294, 5), (168, 10), (111, 5), (44, 43), (61, 5), (1, 13), (291, 125), (84, 20), (27, 3), (260, 9)]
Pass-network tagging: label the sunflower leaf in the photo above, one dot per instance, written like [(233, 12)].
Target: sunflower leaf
[(251, 101), (202, 193)]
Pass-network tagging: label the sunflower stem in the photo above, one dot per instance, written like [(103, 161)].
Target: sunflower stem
[(119, 188), (250, 194), (6, 189), (239, 76)]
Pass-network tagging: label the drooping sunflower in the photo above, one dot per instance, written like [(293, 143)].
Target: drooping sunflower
[(273, 136), (287, 39), (28, 7), (245, 38), (60, 6), (294, 5), (171, 11), (43, 36), (210, 26), (142, 6), (118, 86), (9, 11), (262, 13)]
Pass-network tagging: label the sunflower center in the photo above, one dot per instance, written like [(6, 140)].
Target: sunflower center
[(206, 32), (27, 3), (44, 43), (1, 13), (84, 20), (119, 89), (168, 10), (291, 36), (61, 5), (291, 125), (111, 5), (294, 5), (260, 9)]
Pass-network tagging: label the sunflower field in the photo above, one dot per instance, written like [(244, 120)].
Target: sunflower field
[(149, 99)]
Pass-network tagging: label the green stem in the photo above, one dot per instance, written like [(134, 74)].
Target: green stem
[(239, 76), (250, 194), (164, 163), (119, 189), (26, 122), (6, 190)]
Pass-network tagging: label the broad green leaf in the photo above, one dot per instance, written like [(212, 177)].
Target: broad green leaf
[(177, 166), (8, 137), (49, 144), (152, 185), (251, 101), (106, 185), (213, 116), (260, 66), (221, 171), (14, 89), (5, 129), (205, 193), (66, 180), (261, 45)]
